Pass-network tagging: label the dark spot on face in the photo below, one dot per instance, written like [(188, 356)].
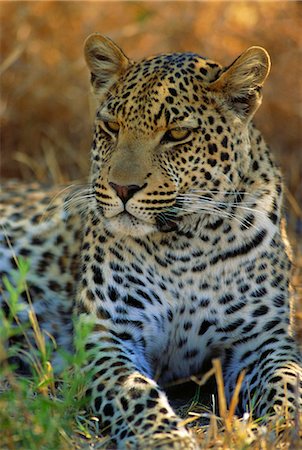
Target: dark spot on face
[(224, 142)]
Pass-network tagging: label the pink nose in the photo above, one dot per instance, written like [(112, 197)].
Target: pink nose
[(125, 192)]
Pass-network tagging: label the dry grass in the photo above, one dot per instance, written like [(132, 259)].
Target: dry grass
[(227, 431), (46, 124)]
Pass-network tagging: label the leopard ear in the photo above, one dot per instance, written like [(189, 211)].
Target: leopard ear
[(106, 62), (240, 84)]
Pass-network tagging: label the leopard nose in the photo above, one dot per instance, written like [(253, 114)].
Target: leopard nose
[(125, 192)]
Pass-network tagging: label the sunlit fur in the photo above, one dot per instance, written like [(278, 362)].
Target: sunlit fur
[(173, 249)]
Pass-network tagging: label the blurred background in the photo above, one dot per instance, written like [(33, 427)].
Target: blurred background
[(45, 120)]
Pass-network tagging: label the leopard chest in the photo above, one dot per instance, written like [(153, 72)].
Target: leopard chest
[(171, 301)]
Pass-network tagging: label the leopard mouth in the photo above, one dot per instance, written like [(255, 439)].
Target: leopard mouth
[(127, 223), (128, 217), (162, 223), (166, 225)]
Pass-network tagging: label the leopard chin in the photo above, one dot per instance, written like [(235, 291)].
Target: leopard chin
[(126, 224)]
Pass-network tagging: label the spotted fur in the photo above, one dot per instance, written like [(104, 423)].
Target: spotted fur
[(174, 250)]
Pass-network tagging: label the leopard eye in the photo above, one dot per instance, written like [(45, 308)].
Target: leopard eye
[(176, 135), (112, 127)]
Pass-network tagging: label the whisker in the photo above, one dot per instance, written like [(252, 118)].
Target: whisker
[(211, 210), (70, 198), (50, 206), (242, 206), (232, 191), (79, 204)]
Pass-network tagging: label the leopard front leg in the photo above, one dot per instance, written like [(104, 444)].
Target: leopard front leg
[(129, 403), (273, 380)]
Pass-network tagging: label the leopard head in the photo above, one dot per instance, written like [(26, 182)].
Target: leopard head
[(168, 128)]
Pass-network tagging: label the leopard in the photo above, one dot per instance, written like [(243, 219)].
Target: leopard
[(175, 250)]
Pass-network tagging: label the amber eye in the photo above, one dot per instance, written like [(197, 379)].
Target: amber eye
[(175, 135), (112, 127)]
